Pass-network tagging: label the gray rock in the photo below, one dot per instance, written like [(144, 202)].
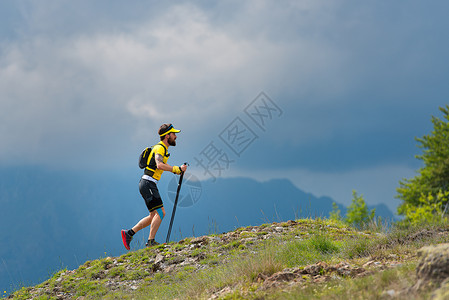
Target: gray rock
[(200, 240), (434, 263), (443, 292), (159, 259)]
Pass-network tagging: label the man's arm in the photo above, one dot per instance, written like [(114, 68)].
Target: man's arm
[(164, 166)]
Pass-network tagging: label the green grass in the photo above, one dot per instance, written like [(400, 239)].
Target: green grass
[(349, 288), (237, 264)]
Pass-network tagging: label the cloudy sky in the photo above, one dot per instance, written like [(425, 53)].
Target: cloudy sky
[(342, 87)]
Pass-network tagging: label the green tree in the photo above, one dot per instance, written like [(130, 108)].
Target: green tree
[(335, 214), (358, 214), (431, 183), (429, 209)]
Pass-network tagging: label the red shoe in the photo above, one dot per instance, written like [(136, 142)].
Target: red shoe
[(126, 238)]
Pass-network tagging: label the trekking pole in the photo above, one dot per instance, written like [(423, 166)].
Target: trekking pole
[(174, 206)]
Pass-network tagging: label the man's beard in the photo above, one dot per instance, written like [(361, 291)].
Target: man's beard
[(171, 142)]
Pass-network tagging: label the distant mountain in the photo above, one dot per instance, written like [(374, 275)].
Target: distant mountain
[(53, 219), (228, 203)]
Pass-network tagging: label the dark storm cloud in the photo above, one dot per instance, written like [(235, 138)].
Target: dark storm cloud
[(357, 81)]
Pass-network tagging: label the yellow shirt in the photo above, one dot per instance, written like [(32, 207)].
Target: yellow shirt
[(159, 148)]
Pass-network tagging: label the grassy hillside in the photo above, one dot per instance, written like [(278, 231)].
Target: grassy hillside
[(303, 259)]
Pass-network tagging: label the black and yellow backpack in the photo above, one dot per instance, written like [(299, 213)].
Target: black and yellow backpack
[(146, 158)]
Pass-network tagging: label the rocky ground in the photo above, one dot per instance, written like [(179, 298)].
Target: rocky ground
[(136, 269)]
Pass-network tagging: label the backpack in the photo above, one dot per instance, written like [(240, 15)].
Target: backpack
[(144, 157)]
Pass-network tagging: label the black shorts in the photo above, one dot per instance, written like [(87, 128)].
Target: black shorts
[(150, 194)]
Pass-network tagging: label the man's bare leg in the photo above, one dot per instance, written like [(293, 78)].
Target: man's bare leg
[(144, 222), (155, 223)]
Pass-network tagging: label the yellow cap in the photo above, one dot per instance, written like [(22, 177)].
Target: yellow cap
[(168, 130)]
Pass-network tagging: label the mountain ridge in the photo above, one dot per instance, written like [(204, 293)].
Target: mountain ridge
[(58, 218)]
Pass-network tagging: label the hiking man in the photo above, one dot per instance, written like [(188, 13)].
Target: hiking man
[(148, 185)]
